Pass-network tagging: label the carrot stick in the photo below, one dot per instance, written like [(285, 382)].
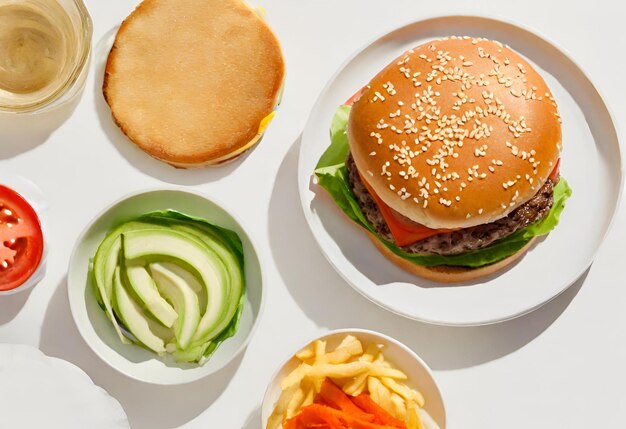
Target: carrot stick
[(316, 414), (335, 396), (365, 402)]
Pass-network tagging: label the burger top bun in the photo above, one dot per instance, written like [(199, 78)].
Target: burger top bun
[(456, 132)]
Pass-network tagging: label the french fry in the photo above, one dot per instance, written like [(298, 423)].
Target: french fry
[(377, 370), (380, 358), (295, 377), (320, 350), (306, 353), (372, 351), (373, 389), (413, 420), (361, 387), (342, 370), (398, 407), (355, 386), (275, 420), (382, 393), (404, 391), (295, 403), (309, 397), (348, 339), (342, 354), (317, 384)]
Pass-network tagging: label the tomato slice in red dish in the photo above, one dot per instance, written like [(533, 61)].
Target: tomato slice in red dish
[(556, 171), (21, 240)]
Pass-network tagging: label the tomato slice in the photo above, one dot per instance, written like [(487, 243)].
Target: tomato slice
[(556, 171), (404, 231), (21, 240), (350, 101)]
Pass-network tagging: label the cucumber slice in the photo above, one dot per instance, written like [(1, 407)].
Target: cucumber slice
[(185, 301), (186, 250), (104, 264), (235, 277), (191, 280), (133, 317), (144, 287), (191, 354)]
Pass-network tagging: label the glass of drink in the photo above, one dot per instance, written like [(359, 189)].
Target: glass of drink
[(44, 53)]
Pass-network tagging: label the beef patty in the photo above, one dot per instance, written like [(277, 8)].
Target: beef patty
[(463, 240)]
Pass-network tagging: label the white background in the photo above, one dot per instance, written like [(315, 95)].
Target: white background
[(559, 367)]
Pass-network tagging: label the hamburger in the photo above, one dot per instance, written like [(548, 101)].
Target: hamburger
[(449, 159), (194, 83)]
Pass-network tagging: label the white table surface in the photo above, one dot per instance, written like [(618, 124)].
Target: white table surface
[(561, 366)]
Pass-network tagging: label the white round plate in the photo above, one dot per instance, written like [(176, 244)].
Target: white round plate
[(94, 326), (419, 374), (591, 162), (38, 391)]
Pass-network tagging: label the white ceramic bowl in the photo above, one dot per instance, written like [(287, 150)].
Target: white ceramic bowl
[(132, 360), (419, 374)]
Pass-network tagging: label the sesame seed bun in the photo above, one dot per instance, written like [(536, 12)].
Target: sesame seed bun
[(456, 133), (445, 273), (191, 81)]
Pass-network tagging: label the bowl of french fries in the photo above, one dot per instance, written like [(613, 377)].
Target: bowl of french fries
[(353, 379)]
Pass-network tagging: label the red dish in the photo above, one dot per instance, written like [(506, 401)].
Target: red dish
[(21, 240)]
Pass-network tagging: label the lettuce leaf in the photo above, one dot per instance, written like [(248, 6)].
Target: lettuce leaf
[(333, 177)]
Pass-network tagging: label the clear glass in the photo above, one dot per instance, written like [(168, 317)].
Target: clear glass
[(73, 19)]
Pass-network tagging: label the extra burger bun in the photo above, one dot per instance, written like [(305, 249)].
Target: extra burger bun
[(191, 81), (448, 274), (456, 133)]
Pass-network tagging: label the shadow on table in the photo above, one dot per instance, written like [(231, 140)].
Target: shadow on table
[(254, 420), (11, 305), (135, 156), (327, 300), (24, 132), (147, 406)]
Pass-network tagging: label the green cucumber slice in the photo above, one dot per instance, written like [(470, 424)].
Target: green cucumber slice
[(145, 288), (185, 301), (104, 263), (184, 249), (134, 318)]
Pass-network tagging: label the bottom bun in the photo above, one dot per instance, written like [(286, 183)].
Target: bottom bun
[(226, 159), (447, 273), (184, 166)]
